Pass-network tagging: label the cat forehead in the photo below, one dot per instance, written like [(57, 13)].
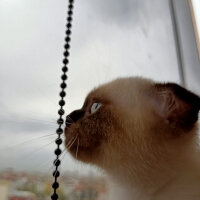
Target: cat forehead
[(119, 90)]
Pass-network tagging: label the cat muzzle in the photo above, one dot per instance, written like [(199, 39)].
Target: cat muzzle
[(74, 117)]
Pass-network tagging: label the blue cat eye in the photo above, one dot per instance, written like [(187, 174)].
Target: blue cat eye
[(95, 107)]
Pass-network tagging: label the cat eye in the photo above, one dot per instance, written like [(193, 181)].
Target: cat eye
[(95, 107)]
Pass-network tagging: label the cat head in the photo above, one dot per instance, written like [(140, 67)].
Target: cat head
[(131, 120)]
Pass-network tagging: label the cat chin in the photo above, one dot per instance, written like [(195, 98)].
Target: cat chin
[(83, 154)]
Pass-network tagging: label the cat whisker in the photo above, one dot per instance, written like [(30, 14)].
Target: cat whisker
[(69, 123), (69, 142), (64, 152), (72, 143), (37, 150), (69, 119), (77, 148), (28, 141)]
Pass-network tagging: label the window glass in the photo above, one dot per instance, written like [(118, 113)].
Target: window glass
[(110, 39)]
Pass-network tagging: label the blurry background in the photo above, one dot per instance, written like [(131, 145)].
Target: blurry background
[(157, 39)]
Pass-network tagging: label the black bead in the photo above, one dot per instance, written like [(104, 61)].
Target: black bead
[(69, 19), (67, 46), (64, 77), (57, 152), (61, 102), (66, 53), (59, 131), (60, 121), (58, 141), (62, 94), (63, 85), (56, 173), (68, 32), (70, 6), (64, 69), (70, 12), (69, 25), (55, 185), (67, 39), (65, 61), (57, 162), (61, 111), (54, 196)]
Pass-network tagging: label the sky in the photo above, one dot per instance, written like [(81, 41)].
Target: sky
[(196, 4), (110, 39)]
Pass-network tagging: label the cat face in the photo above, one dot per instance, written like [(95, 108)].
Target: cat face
[(132, 121)]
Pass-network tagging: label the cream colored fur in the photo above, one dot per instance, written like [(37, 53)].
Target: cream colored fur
[(162, 170), (143, 154)]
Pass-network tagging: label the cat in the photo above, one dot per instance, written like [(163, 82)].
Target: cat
[(143, 134)]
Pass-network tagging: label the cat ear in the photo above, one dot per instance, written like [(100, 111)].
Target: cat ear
[(176, 105)]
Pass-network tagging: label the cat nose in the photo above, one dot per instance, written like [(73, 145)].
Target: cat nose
[(74, 116)]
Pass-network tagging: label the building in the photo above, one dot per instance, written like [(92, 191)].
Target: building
[(21, 195), (4, 190)]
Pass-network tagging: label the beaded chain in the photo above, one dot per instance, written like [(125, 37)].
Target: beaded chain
[(61, 111)]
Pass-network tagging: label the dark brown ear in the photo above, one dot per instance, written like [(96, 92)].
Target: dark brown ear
[(177, 105)]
